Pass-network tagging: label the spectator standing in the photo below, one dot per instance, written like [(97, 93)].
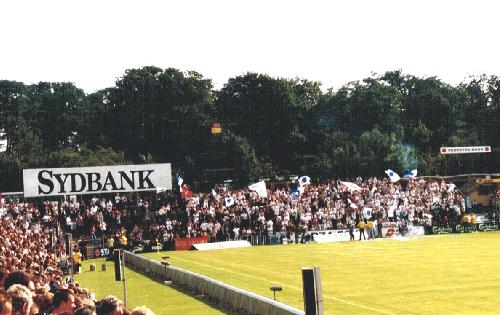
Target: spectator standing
[(77, 261), (351, 232), (371, 230), (379, 228), (361, 227)]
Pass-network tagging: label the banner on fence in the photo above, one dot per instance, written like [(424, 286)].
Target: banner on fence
[(334, 236), (221, 245), (459, 228), (187, 243)]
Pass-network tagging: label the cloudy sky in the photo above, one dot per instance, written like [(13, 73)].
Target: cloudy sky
[(91, 43)]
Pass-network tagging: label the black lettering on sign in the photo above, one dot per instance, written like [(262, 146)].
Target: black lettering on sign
[(91, 181), (73, 182), (110, 181), (61, 181), (130, 181), (143, 179), (46, 182)]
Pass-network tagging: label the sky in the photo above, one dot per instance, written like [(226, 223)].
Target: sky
[(92, 43)]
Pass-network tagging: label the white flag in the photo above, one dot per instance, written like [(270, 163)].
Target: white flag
[(393, 176), (352, 204), (160, 189), (451, 187), (214, 193), (351, 186), (260, 188)]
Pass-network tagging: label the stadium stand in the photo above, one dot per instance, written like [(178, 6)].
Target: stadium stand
[(33, 247)]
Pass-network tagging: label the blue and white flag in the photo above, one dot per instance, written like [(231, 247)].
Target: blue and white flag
[(229, 201), (412, 173), (260, 188), (296, 191), (179, 181), (393, 176), (304, 180), (367, 213)]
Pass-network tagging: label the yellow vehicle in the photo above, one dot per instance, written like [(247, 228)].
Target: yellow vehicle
[(486, 192)]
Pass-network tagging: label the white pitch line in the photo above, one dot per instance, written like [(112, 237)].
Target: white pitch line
[(286, 285)]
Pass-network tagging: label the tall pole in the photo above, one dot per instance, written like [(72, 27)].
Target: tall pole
[(69, 251), (123, 278)]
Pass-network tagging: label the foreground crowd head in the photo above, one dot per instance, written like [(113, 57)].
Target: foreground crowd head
[(110, 305), (22, 299)]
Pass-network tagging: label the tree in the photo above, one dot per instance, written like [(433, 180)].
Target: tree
[(271, 114), (362, 106), (162, 112), (53, 112)]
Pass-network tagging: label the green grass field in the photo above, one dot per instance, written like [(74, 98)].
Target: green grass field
[(141, 290), (449, 274)]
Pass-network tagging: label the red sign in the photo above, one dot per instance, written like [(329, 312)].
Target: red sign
[(186, 243)]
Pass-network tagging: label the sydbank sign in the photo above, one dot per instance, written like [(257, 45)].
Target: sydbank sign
[(100, 179)]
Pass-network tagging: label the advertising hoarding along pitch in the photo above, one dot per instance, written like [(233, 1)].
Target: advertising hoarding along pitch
[(93, 180)]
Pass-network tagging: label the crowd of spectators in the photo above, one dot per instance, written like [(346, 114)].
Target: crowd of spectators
[(32, 245), (330, 205), (31, 278), (129, 220)]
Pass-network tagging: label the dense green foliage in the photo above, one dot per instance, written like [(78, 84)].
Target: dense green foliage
[(270, 126)]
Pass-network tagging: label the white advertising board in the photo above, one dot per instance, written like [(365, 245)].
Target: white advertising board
[(94, 180), (221, 245), (465, 150)]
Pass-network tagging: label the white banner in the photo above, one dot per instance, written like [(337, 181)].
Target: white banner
[(222, 245), (335, 236), (465, 150), (94, 180), (411, 231)]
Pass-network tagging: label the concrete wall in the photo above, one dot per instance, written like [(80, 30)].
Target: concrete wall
[(235, 298)]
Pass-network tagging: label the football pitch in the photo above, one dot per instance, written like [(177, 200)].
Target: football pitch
[(442, 274)]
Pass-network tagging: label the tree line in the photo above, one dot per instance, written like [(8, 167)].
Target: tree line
[(270, 126)]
